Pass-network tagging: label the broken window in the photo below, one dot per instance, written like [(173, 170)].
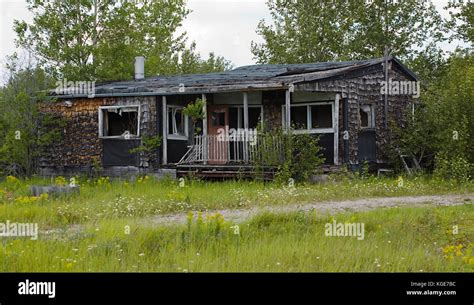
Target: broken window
[(367, 117), (177, 122), (117, 121)]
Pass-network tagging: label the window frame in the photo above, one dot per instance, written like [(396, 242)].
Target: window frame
[(102, 121), (240, 113), (309, 118), (173, 136), (371, 119)]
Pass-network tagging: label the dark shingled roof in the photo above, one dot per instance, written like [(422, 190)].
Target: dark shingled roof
[(266, 76)]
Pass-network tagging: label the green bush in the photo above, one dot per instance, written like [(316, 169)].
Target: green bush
[(296, 156), (456, 167)]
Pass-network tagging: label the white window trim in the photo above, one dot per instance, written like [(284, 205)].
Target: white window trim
[(372, 117), (172, 136), (309, 118), (101, 122)]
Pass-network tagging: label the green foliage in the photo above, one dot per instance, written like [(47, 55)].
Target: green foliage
[(364, 172), (396, 240), (195, 110), (443, 124), (297, 156), (26, 133), (98, 40), (457, 167), (12, 183), (327, 30), (60, 180), (462, 20), (149, 144), (306, 156)]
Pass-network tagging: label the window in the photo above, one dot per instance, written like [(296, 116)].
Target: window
[(119, 122), (299, 117), (236, 116), (367, 116), (311, 117), (321, 116), (218, 118), (177, 123), (255, 116)]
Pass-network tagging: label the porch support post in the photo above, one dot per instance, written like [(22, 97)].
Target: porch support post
[(165, 129), (246, 127), (204, 129), (345, 121), (336, 129), (287, 110)]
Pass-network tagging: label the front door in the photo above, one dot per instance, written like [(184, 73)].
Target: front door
[(217, 124)]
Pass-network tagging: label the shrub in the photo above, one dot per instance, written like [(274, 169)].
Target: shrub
[(456, 167), (195, 112), (12, 183), (296, 156), (149, 144), (60, 180)]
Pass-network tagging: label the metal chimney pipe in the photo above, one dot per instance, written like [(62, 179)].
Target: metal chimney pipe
[(139, 67)]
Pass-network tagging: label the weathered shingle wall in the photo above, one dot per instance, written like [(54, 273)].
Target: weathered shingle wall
[(362, 89), (80, 147)]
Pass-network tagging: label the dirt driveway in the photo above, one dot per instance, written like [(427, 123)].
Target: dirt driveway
[(328, 207)]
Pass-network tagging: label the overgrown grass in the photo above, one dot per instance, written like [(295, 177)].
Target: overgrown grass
[(101, 199), (396, 239)]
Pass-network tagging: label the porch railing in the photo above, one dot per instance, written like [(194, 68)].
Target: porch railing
[(218, 149)]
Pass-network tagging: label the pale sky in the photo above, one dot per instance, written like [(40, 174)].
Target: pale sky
[(225, 27)]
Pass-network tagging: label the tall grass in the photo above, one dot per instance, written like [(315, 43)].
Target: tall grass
[(396, 239), (101, 199)]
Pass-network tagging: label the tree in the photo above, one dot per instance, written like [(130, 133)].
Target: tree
[(311, 31), (24, 132), (462, 20), (441, 133), (98, 39)]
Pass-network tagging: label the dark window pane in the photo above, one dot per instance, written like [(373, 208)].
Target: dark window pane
[(233, 117), (170, 122), (120, 121), (299, 117), (321, 116), (366, 114), (364, 119), (179, 121), (175, 121), (218, 119), (254, 117)]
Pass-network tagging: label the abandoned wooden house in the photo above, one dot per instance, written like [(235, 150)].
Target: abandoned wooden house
[(342, 102)]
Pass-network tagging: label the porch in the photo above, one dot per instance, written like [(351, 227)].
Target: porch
[(242, 148), (228, 128)]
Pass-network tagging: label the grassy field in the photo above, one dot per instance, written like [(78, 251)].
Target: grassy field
[(397, 239), (113, 236), (102, 199)]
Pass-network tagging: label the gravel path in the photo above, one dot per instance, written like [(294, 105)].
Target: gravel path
[(331, 207), (327, 207)]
